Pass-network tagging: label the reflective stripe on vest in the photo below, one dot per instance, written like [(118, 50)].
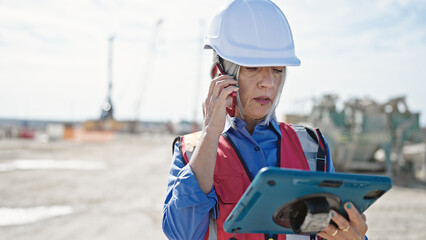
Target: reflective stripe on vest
[(231, 178), (313, 145)]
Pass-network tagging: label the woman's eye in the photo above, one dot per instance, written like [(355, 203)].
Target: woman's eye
[(280, 70), (251, 68)]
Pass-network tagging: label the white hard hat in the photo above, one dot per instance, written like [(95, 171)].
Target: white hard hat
[(252, 33)]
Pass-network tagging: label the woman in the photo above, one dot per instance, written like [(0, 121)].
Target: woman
[(252, 43)]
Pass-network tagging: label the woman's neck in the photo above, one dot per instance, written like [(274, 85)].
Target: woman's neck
[(251, 123)]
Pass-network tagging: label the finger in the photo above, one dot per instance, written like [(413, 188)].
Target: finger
[(341, 221), (227, 91), (214, 90), (215, 106), (221, 85), (223, 76), (329, 232), (325, 235), (354, 216), (213, 82), (216, 87), (364, 218), (358, 226)]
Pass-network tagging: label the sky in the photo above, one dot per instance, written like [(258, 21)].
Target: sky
[(54, 56)]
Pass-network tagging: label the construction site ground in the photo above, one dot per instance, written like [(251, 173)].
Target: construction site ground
[(120, 194)]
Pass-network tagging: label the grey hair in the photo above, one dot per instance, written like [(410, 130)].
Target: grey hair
[(234, 69)]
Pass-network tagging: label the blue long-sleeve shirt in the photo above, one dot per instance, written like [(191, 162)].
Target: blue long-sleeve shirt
[(187, 208)]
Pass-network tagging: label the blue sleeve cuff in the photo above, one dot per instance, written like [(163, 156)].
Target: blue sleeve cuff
[(186, 207)]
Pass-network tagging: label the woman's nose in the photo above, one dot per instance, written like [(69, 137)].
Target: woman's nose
[(267, 79)]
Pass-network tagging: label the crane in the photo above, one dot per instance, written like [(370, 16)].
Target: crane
[(107, 107)]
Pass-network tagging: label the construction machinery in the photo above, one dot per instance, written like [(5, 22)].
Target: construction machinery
[(106, 122), (369, 136)]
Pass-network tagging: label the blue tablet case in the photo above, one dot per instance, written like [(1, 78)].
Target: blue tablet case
[(273, 187)]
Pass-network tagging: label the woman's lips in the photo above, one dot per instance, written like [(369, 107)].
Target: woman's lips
[(263, 100)]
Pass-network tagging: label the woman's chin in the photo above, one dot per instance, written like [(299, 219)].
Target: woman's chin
[(261, 113)]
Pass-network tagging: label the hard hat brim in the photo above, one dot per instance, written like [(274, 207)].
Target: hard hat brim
[(255, 60)]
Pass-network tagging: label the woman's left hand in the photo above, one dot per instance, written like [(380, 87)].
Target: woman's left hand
[(354, 228)]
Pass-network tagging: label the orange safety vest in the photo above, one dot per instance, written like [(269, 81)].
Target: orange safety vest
[(232, 177)]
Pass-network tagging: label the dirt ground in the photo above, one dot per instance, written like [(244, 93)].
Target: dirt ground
[(122, 199)]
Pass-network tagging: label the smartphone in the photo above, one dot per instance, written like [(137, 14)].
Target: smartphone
[(231, 111)]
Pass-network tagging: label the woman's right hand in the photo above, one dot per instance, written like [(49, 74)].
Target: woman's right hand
[(203, 160), (218, 98)]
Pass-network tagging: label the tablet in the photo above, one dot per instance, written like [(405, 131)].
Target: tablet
[(276, 196)]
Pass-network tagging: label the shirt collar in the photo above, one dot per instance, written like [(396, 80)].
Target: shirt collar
[(240, 124)]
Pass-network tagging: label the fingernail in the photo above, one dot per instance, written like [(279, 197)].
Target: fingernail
[(332, 213), (348, 205)]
